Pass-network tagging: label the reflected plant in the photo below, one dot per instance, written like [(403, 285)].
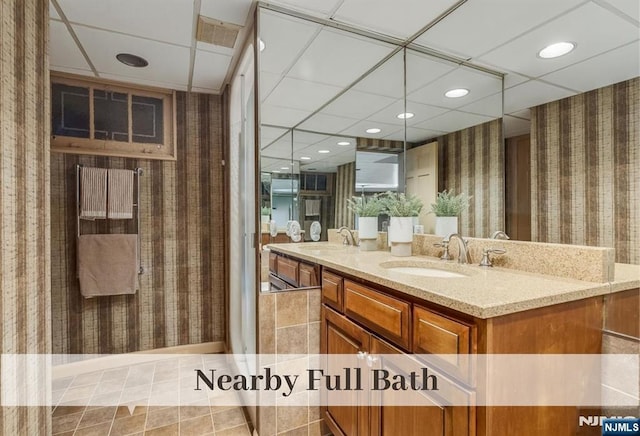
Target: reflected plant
[(366, 207), (448, 204), (401, 205), (265, 211)]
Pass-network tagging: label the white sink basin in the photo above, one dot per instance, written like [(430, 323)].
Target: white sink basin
[(426, 272)]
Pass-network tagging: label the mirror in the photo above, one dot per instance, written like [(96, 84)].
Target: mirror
[(322, 90)]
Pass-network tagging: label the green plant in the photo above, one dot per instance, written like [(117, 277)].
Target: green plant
[(448, 204), (401, 205), (265, 211), (365, 207)]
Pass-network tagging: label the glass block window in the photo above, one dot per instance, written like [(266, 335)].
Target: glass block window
[(91, 117)]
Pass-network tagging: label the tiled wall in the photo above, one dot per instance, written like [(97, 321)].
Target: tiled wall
[(585, 167), (286, 329), (24, 201), (345, 189), (472, 161), (181, 295)]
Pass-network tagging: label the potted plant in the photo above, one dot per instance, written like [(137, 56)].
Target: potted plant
[(447, 208), (367, 210), (401, 209), (265, 213)]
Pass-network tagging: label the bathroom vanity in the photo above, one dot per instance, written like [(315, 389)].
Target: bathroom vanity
[(372, 307)]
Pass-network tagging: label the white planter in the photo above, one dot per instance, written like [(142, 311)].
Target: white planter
[(265, 219), (401, 235), (446, 225), (368, 227)]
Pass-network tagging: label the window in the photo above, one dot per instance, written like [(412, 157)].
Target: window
[(105, 118)]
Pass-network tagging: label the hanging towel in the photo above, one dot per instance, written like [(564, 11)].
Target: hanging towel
[(311, 207), (93, 193), (107, 264), (120, 203)]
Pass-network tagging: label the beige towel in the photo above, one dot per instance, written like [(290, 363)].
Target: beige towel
[(107, 264), (120, 203), (93, 193), (312, 207)]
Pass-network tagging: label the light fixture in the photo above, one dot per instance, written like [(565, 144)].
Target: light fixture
[(261, 44), (373, 130), (132, 60), (556, 50), (324, 151), (305, 158), (284, 168), (406, 115), (344, 143), (456, 93)]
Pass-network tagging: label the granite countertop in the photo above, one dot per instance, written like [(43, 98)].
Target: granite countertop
[(482, 292)]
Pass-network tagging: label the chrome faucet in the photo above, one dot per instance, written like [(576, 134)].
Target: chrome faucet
[(463, 252), (499, 234), (347, 238)]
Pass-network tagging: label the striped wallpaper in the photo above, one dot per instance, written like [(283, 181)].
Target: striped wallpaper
[(585, 170), (24, 207), (345, 189), (181, 296), (472, 161)]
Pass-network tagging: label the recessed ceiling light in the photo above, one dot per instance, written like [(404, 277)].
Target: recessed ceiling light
[(261, 44), (344, 143), (324, 151), (456, 93), (132, 60), (275, 171), (305, 158), (406, 115), (556, 50), (373, 130), (284, 168)]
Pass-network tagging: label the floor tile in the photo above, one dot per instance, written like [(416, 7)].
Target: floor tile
[(188, 412), (63, 423), (161, 417), (169, 430), (67, 410), (197, 426), (95, 430), (241, 430), (128, 425), (97, 416), (228, 419)]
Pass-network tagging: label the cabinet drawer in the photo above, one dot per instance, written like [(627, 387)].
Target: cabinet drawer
[(275, 284), (452, 340), (332, 290), (288, 270), (273, 263), (385, 315), (308, 275)]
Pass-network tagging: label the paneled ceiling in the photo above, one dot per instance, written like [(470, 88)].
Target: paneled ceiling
[(503, 35)]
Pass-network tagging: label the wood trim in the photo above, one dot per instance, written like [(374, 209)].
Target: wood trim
[(622, 313)]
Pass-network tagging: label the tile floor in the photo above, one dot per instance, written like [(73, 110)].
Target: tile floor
[(154, 398)]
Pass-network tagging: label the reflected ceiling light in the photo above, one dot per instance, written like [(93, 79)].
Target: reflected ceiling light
[(324, 151), (305, 158), (456, 93), (284, 168), (132, 60), (261, 44), (275, 171), (344, 143), (406, 115), (373, 130), (556, 50)]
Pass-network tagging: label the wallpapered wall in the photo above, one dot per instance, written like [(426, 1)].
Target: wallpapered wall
[(24, 207), (181, 295), (345, 189), (585, 167), (472, 161)]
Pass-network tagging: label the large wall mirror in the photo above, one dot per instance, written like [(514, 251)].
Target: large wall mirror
[(343, 113)]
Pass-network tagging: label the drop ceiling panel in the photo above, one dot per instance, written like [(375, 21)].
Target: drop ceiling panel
[(453, 121), (338, 58), (322, 8), (490, 106), (268, 82), (423, 69), (588, 75), (629, 7), (421, 112), (53, 13), (480, 85), (210, 69), (307, 138), (532, 93), (386, 80), (515, 126), (399, 18), (167, 63), (229, 11), (284, 38), (415, 134), (356, 104), (328, 123), (269, 134), (359, 129), (63, 50), (592, 27), (215, 48), (145, 82), (299, 94), (282, 116), (524, 114), (491, 22), (162, 20)]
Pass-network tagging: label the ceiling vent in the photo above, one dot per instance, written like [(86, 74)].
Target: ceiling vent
[(216, 32)]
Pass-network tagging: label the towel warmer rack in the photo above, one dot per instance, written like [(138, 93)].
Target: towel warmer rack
[(136, 205)]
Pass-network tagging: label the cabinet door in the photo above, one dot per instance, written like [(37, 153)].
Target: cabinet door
[(431, 418), (341, 336)]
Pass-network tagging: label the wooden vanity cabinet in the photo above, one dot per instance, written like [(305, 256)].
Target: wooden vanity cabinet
[(286, 272)]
